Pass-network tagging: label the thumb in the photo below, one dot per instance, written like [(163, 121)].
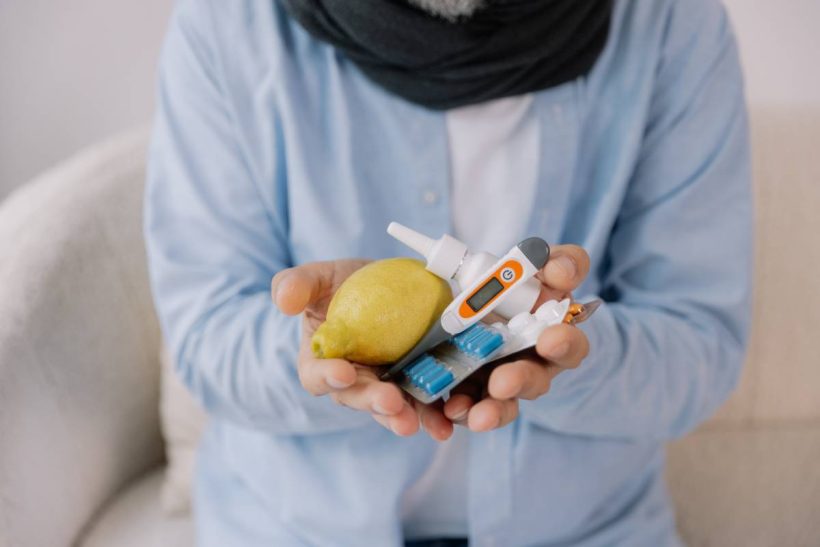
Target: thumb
[(566, 269), (295, 289)]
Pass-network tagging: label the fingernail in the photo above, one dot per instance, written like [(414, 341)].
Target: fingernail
[(560, 350), (460, 415), (566, 264), (394, 429), (379, 409), (276, 282), (335, 383)]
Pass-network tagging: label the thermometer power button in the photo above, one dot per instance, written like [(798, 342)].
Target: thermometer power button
[(507, 274)]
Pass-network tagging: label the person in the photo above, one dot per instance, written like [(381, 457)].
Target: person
[(290, 133)]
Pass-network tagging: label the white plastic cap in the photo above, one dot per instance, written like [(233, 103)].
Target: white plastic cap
[(443, 255)]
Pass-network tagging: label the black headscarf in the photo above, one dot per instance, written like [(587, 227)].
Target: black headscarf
[(508, 47)]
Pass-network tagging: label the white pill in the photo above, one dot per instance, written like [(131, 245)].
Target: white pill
[(550, 311)]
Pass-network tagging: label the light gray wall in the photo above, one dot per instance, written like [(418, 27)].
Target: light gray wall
[(75, 71), (780, 46), (71, 73)]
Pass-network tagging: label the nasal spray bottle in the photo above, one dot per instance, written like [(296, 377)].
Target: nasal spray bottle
[(460, 343), (450, 259)]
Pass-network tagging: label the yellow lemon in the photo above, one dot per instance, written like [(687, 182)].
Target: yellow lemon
[(381, 311)]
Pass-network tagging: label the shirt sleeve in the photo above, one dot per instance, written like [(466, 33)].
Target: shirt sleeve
[(668, 346), (214, 240)]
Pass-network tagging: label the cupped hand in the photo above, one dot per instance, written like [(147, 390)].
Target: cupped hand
[(308, 289), (489, 399)]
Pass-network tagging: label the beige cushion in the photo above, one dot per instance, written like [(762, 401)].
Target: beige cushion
[(134, 519), (748, 487)]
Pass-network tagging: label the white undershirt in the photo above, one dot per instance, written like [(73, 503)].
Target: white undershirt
[(494, 168)]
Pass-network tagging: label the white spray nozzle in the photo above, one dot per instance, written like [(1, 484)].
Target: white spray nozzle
[(416, 241), (444, 255)]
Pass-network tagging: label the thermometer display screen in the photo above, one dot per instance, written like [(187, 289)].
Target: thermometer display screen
[(485, 294)]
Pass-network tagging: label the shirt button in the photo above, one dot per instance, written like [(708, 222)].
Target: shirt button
[(430, 197)]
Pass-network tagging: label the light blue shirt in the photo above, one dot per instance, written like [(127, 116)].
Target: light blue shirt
[(271, 149)]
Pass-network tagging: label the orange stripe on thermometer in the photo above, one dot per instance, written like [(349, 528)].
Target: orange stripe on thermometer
[(490, 290)]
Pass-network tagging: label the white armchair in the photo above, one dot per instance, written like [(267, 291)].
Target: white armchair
[(79, 343), (80, 447)]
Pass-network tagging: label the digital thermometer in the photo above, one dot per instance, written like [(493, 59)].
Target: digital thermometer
[(481, 297)]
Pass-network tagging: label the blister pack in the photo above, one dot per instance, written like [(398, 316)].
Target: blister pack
[(435, 373)]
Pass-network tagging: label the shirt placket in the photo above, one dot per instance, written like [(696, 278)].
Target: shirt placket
[(432, 178), (490, 484)]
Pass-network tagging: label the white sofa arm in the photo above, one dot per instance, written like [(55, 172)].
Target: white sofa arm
[(79, 377)]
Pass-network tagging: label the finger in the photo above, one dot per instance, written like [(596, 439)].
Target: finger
[(406, 422), (296, 288), (371, 395), (567, 268), (457, 407), (522, 379), (491, 414), (564, 345), (434, 422), (322, 376)]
